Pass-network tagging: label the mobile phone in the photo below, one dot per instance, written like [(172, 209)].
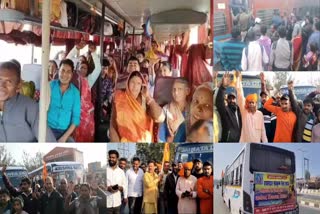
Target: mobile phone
[(115, 187)]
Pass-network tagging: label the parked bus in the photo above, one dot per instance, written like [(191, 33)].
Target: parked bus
[(72, 171), (301, 91), (261, 179), (15, 174), (186, 152)]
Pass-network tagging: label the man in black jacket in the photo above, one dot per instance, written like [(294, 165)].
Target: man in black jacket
[(305, 117), (170, 190), (51, 201), (230, 115), (29, 198)]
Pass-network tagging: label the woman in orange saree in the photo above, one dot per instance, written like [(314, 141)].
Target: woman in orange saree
[(297, 51), (133, 112)]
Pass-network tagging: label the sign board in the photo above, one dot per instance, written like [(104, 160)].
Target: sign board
[(17, 173), (274, 193), (221, 6), (62, 168)]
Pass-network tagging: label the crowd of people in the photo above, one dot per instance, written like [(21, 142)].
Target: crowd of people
[(291, 43), (126, 98), (47, 197), (156, 188), (281, 117)]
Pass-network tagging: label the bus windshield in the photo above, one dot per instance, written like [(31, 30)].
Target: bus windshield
[(300, 91), (15, 176), (189, 152), (72, 172), (271, 159)]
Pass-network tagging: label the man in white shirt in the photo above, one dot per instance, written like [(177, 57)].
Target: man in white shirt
[(116, 183), (134, 177), (254, 56)]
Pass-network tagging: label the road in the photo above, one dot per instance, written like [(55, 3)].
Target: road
[(307, 196), (308, 210), (221, 208)]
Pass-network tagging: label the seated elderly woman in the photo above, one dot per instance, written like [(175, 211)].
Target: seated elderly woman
[(133, 112)]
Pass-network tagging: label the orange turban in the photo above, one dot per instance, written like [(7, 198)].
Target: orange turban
[(249, 98), (188, 165)]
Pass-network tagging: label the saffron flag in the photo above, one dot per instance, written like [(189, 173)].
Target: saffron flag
[(166, 153), (44, 172)]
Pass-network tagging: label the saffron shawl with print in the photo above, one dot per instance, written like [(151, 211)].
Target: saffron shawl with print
[(133, 122)]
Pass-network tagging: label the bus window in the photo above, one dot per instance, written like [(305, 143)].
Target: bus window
[(263, 160), (15, 174)]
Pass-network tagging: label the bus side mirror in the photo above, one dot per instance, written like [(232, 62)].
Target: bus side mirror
[(254, 187)]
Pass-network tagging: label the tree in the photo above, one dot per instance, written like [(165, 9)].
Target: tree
[(32, 163), (153, 151), (280, 79), (5, 157)]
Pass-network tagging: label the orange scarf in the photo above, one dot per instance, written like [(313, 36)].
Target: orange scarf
[(133, 122)]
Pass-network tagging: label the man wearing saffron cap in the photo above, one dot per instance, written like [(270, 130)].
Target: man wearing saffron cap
[(253, 129), (186, 191)]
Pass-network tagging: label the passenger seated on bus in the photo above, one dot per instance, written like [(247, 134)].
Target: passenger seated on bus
[(133, 112), (65, 103), (165, 70), (201, 107), (174, 127), (154, 53), (316, 129), (109, 79), (199, 68), (53, 70), (133, 65), (85, 131), (25, 192), (94, 73), (140, 56), (19, 114)]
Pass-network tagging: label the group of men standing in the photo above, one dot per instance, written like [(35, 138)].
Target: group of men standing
[(186, 188)]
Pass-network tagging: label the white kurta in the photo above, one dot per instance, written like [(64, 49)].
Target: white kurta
[(187, 205)]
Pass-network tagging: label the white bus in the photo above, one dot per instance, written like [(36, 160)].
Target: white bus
[(72, 171), (15, 174), (261, 179)]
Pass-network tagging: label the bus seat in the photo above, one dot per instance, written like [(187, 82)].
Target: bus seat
[(162, 90), (32, 72)]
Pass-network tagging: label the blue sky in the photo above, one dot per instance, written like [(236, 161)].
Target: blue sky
[(224, 154)]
